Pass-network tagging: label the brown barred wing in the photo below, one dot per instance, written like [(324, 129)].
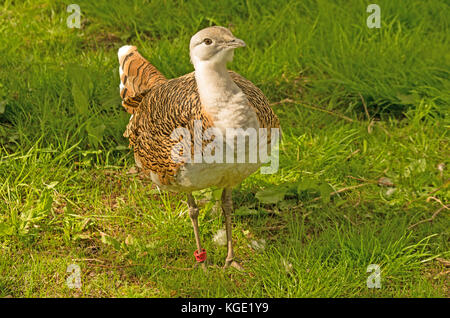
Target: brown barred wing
[(174, 104), (137, 76)]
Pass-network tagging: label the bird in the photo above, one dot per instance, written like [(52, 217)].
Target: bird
[(209, 98)]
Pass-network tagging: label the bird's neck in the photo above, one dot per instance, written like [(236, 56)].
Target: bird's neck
[(221, 98), (214, 83)]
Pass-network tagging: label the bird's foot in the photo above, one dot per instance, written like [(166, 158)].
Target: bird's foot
[(233, 264)]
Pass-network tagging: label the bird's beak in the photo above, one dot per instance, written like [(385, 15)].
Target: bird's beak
[(235, 43)]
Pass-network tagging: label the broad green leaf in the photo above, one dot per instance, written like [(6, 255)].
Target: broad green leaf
[(80, 77), (121, 147), (80, 99), (307, 183), (52, 184), (109, 240), (95, 133), (407, 99), (82, 87), (245, 211), (287, 204), (6, 229), (325, 191), (216, 194), (3, 106), (272, 195)]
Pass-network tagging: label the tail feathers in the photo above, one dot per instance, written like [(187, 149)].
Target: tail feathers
[(137, 76)]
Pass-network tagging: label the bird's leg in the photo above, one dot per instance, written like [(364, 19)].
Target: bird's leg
[(227, 207), (193, 214)]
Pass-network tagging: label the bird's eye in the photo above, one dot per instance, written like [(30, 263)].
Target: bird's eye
[(207, 41)]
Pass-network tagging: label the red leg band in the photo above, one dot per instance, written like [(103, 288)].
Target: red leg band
[(200, 257)]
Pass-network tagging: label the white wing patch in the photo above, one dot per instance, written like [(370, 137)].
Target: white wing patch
[(124, 50)]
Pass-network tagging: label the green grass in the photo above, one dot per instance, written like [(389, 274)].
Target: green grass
[(68, 194)]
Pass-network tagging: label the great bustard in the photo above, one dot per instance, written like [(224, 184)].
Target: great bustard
[(210, 97)]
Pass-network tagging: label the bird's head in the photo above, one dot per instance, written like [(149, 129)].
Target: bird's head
[(213, 45)]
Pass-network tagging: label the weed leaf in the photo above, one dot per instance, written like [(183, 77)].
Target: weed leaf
[(272, 195)]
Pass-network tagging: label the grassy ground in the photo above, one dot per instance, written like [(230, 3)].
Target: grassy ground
[(354, 184)]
